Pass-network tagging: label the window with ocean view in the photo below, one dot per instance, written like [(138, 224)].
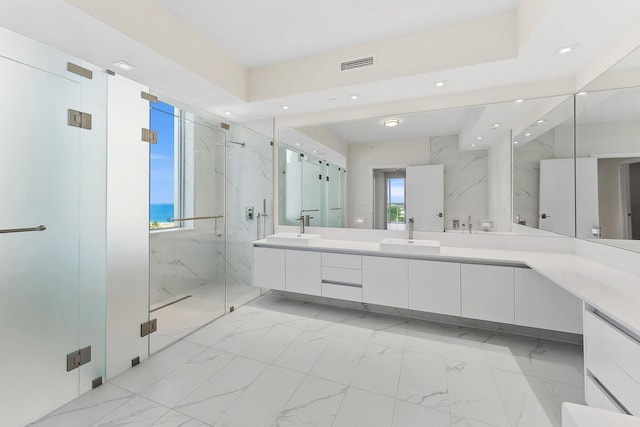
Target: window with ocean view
[(164, 173)]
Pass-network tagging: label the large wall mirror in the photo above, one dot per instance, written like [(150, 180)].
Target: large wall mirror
[(608, 150), (448, 169), (543, 171)]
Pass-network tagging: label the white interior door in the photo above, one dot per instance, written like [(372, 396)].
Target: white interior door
[(557, 206), (425, 197)]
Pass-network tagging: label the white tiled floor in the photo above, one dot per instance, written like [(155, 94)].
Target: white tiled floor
[(279, 362)]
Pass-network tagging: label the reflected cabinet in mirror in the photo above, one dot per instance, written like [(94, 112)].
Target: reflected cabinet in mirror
[(543, 171), (449, 170)]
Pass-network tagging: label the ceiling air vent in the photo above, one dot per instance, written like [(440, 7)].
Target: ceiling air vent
[(357, 63)]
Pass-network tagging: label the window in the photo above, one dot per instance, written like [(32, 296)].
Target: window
[(395, 202), (165, 166)]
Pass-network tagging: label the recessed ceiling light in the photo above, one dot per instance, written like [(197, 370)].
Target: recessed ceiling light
[(566, 49), (354, 96), (473, 145), (124, 65), (478, 138), (285, 107), (496, 125), (439, 83), (541, 121), (518, 101), (228, 113), (297, 143), (582, 93), (515, 142), (527, 134), (391, 122), (315, 151)]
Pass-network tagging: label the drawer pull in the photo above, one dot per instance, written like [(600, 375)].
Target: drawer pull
[(333, 282)]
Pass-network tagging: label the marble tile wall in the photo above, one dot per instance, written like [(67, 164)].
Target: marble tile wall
[(499, 184), (465, 180), (526, 177)]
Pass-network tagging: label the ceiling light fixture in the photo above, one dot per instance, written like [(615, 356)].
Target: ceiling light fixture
[(439, 83), (527, 134), (390, 123), (518, 101), (515, 142), (298, 144), (582, 93), (496, 125), (564, 50), (124, 65), (285, 107), (478, 138), (354, 96), (541, 121), (228, 113), (473, 145)]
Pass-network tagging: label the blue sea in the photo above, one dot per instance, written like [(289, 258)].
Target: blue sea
[(160, 212)]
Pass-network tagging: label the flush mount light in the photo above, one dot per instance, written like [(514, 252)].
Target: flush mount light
[(228, 113), (391, 122), (439, 83), (527, 134), (582, 93), (285, 107), (478, 138), (124, 65), (515, 142), (518, 101), (541, 121), (353, 97), (297, 143), (565, 49), (473, 145), (496, 125)]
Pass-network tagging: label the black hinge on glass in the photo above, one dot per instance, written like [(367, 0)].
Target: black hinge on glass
[(327, 177), (320, 177), (148, 327), (78, 358)]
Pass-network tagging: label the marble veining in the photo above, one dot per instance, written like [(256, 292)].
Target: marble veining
[(283, 362)]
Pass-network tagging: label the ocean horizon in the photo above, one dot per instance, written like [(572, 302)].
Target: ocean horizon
[(160, 212)]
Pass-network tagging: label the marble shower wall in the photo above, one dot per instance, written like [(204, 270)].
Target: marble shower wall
[(465, 180), (526, 177), (499, 183)]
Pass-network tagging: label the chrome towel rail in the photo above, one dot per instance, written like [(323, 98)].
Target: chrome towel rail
[(23, 230)]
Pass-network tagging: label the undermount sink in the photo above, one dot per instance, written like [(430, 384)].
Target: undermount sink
[(411, 246), (293, 239)]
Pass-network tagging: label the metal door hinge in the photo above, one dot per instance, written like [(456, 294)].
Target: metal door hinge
[(81, 71), (225, 126), (96, 382), (78, 119), (148, 97), (148, 327), (78, 358), (150, 136)]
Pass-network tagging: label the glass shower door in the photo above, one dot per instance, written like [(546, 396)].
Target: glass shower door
[(39, 244)]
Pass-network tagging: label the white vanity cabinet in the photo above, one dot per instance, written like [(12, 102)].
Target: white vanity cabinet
[(540, 303), (342, 276), (434, 287), (612, 366), (385, 281), (302, 272), (269, 268), (487, 292)]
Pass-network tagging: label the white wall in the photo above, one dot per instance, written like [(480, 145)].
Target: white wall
[(127, 224)]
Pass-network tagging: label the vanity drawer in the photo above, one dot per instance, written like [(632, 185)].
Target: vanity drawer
[(343, 275), (344, 292), (342, 261), (599, 398), (612, 357)]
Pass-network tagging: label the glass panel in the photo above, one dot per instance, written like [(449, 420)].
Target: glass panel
[(312, 190), (249, 186), (334, 197), (39, 271), (187, 264)]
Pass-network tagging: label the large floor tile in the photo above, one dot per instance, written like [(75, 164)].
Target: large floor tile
[(176, 419), (185, 379), (315, 403), (423, 381), (303, 352), (410, 415), (339, 360), (473, 393), (272, 344), (364, 409), (209, 401), (138, 411), (261, 403), (379, 370)]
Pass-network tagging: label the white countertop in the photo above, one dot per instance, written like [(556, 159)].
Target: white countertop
[(611, 291), (574, 415)]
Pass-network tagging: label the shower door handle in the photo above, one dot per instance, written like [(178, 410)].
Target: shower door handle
[(23, 230)]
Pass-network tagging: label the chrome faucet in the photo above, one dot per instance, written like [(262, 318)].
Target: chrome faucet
[(470, 226), (301, 219), (411, 228)]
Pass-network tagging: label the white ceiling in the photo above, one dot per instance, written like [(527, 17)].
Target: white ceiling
[(258, 33)]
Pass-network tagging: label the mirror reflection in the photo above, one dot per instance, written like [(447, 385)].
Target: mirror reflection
[(447, 169), (543, 171)]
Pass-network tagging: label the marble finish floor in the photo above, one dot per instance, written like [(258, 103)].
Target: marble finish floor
[(281, 362)]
